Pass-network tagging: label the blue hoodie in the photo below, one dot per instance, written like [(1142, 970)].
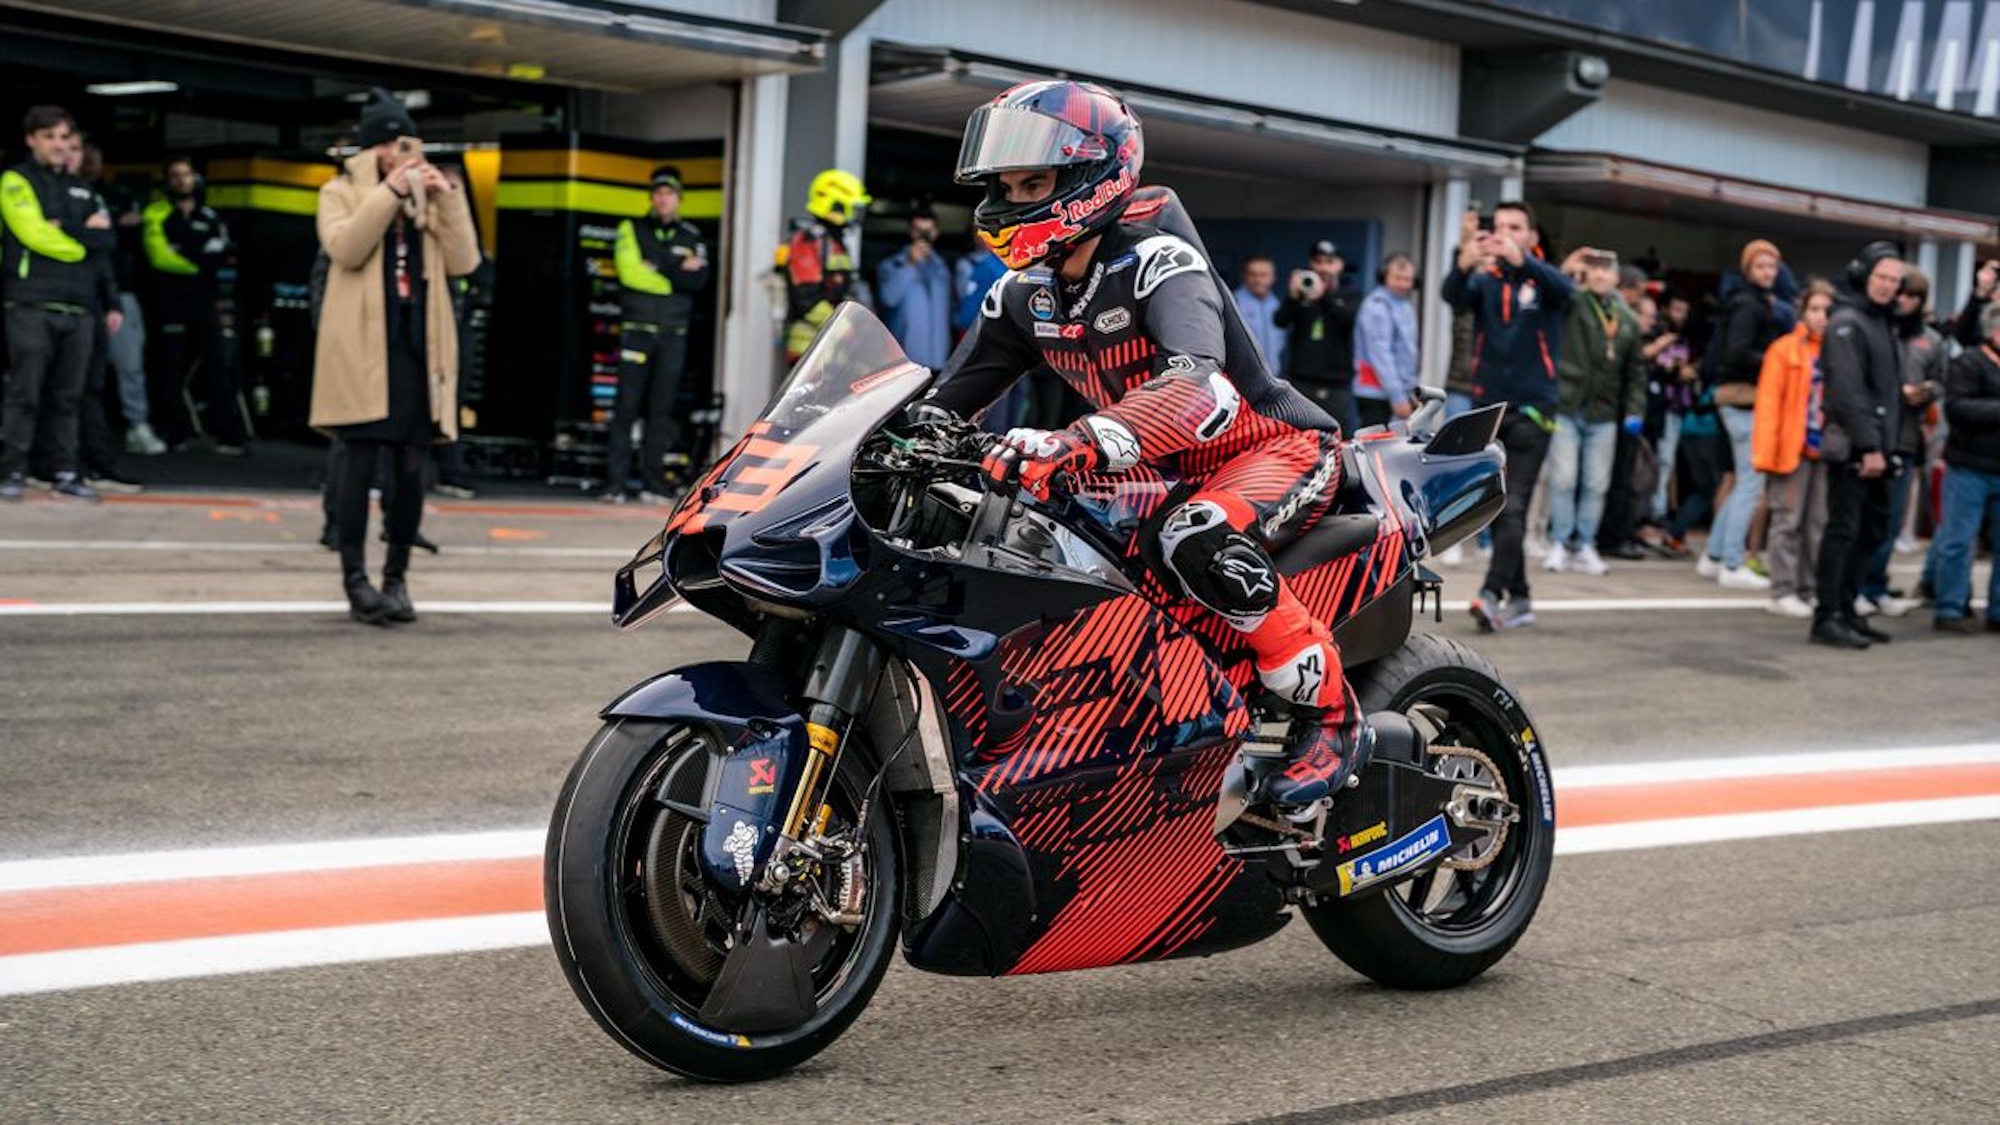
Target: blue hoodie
[(1517, 315)]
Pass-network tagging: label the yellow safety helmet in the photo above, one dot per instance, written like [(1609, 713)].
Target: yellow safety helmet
[(835, 196)]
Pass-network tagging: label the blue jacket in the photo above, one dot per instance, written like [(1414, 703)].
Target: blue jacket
[(1385, 347), (1259, 316), (1517, 315), (972, 277), (916, 301)]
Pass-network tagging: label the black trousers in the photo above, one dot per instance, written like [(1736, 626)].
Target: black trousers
[(190, 349), (1337, 399), (652, 358), (48, 356), (402, 500), (1620, 509), (1857, 518), (94, 435), (1527, 446)]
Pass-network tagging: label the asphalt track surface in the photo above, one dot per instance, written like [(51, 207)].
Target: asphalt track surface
[(1836, 976)]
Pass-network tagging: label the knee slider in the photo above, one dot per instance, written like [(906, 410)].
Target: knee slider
[(1220, 567)]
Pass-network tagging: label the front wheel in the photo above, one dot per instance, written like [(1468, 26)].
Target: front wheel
[(642, 936), (1447, 926)]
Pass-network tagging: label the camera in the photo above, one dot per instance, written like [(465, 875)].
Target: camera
[(1307, 281)]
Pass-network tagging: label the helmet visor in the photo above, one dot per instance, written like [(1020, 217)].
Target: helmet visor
[(1007, 139)]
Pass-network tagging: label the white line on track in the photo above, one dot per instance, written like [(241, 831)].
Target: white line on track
[(1759, 825), (28, 973), (191, 545), (1772, 765)]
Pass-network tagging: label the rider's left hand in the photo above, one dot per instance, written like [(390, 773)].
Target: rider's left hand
[(1046, 454)]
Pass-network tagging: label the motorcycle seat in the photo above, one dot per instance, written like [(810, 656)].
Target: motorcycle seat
[(1334, 536)]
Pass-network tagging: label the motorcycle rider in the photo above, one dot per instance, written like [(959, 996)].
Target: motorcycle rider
[(1138, 322)]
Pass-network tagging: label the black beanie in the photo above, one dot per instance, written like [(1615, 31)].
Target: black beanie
[(666, 175), (383, 118)]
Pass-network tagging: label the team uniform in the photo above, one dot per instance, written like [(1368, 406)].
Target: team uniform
[(1150, 339), (656, 301)]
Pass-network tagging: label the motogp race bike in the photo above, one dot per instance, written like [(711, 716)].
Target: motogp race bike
[(980, 726)]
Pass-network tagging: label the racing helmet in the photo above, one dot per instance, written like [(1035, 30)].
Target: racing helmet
[(836, 197), (1084, 133)]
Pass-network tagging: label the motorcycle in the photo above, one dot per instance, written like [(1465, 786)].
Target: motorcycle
[(981, 726)]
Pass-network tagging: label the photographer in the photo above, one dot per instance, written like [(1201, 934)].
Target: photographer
[(1318, 316), (385, 372), (914, 289)]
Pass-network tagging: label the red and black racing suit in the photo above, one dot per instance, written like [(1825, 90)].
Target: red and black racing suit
[(1150, 338)]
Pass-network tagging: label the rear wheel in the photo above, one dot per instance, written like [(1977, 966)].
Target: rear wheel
[(1451, 924), (642, 936)]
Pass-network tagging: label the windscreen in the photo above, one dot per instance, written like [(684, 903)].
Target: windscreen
[(799, 452)]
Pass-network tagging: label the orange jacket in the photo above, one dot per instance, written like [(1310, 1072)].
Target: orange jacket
[(1784, 391)]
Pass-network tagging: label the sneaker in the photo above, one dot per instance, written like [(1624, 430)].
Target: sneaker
[(1756, 566), (1892, 606), (69, 487), (1791, 605), (1863, 607), (1588, 561), (1485, 609), (1632, 550), (1707, 567), (13, 488), (1453, 556), (657, 499), (1557, 560), (1675, 549), (1908, 545), (455, 491), (1518, 613), (614, 498), (41, 484), (113, 484), (1957, 626), (1536, 546), (141, 441), (1742, 578)]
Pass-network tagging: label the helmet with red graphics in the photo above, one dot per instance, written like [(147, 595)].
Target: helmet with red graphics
[(1082, 134)]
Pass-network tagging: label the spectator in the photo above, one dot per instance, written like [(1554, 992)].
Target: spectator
[(1750, 323), (188, 246), (971, 278), (1601, 387), (662, 263), (914, 289), (1258, 304), (1785, 443), (385, 372), (1670, 395), (1458, 369), (1924, 366), (1318, 316), (58, 235), (1704, 462), (1517, 302), (817, 268), (96, 452), (1385, 345), (128, 345), (1971, 481), (1861, 361), (1617, 532)]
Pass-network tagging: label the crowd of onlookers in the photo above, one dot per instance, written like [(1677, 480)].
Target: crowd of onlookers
[(1803, 421), (91, 276)]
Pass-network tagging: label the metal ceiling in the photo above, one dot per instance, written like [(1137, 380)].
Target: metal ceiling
[(1638, 187), (934, 91), (593, 44)]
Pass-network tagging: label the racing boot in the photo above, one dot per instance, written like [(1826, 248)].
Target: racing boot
[(1329, 740), (394, 592), (364, 603)]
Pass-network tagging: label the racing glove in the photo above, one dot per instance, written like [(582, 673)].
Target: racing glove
[(1046, 454)]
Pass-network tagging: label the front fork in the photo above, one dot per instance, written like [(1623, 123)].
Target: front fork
[(839, 685)]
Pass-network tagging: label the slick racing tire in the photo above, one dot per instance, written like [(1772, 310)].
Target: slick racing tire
[(1444, 928), (606, 918)]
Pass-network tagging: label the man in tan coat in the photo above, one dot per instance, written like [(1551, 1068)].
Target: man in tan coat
[(385, 376)]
